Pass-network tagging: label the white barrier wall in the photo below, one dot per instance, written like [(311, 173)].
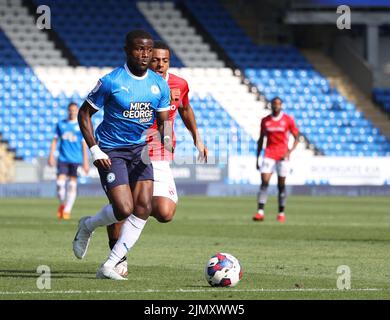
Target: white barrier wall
[(318, 170)]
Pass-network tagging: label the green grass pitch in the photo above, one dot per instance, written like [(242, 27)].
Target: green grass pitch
[(297, 260)]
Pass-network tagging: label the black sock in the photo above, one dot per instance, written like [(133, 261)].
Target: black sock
[(111, 243), (123, 259), (260, 206), (282, 197)]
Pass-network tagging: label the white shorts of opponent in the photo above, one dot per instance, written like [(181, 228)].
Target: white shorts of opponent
[(269, 165), (164, 184)]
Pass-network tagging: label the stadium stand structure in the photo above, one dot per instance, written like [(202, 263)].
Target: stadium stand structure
[(33, 44), (75, 83), (225, 86), (28, 113), (213, 122), (96, 39), (382, 97), (29, 110), (327, 119), (168, 21), (238, 45), (9, 57), (33, 100), (344, 84)]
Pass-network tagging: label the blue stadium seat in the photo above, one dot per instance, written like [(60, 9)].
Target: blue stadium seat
[(382, 97), (99, 43)]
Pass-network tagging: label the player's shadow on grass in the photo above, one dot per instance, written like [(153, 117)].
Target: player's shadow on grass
[(53, 274)]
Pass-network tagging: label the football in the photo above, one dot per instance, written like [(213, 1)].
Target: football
[(223, 270)]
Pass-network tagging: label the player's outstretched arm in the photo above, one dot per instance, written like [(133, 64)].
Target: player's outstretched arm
[(100, 159), (188, 117), (53, 146), (165, 130)]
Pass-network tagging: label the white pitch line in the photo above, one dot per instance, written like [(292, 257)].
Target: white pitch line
[(221, 290)]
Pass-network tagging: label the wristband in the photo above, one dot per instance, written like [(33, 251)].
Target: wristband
[(97, 154)]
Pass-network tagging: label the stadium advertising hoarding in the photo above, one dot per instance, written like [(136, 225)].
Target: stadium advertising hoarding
[(348, 171), (318, 170), (199, 173), (181, 172)]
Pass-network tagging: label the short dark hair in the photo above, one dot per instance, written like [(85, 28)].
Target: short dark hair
[(137, 34), (158, 44), (276, 98), (72, 103)]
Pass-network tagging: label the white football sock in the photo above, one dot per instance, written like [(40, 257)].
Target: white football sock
[(130, 232), (104, 217), (61, 191), (71, 194)]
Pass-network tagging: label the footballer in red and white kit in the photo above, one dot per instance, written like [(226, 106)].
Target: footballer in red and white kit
[(164, 184), (164, 187), (277, 128)]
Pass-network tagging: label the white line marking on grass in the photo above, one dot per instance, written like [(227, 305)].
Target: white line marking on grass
[(220, 290)]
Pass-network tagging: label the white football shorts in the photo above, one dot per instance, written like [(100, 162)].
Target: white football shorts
[(164, 184), (281, 167)]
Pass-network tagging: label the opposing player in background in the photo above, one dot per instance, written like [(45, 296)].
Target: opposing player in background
[(277, 128), (72, 153), (164, 189), (132, 97)]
